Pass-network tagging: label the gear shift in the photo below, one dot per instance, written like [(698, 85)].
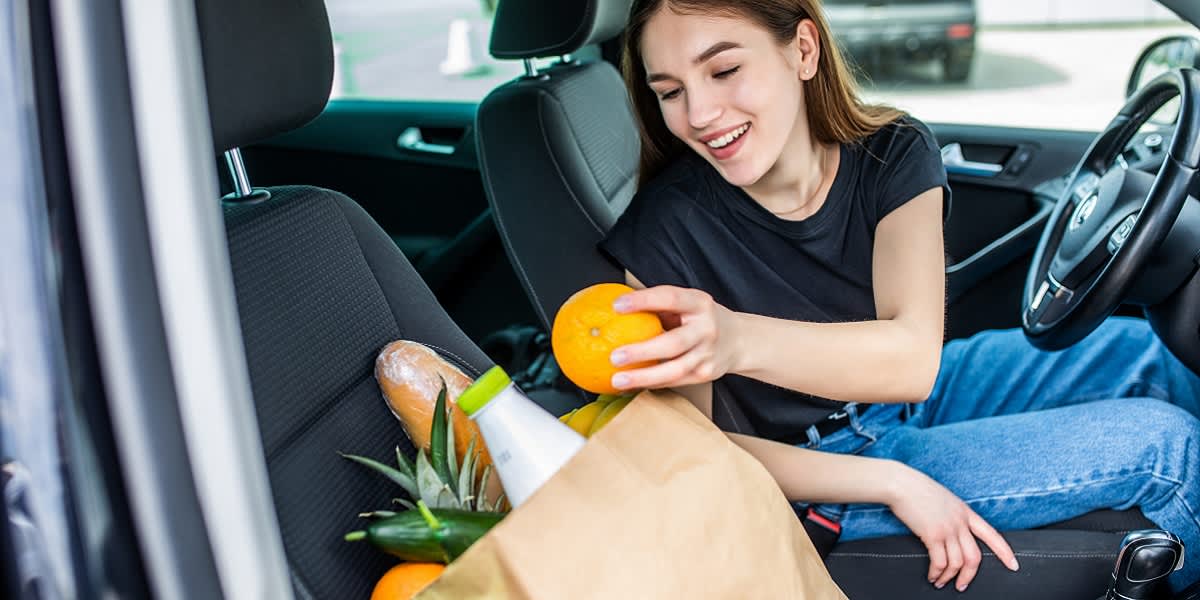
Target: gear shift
[(1147, 557)]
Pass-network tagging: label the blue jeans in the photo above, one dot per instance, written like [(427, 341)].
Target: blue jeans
[(1027, 438)]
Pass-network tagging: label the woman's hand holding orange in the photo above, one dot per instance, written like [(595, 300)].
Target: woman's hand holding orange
[(701, 342)]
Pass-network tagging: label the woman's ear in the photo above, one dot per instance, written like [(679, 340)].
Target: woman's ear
[(808, 44)]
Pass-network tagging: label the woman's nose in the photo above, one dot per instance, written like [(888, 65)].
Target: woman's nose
[(702, 110)]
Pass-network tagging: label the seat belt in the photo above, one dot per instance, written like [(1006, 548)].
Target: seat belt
[(823, 531)]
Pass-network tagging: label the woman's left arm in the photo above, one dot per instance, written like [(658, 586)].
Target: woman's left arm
[(894, 358)]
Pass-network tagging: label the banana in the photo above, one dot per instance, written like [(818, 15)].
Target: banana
[(567, 417), (606, 415), (584, 416)]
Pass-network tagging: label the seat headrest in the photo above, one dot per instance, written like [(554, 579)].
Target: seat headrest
[(543, 28), (268, 66)]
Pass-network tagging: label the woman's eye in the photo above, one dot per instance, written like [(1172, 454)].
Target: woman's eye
[(726, 73), (667, 95)]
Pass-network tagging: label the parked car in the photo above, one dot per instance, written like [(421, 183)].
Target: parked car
[(179, 366), (876, 33)]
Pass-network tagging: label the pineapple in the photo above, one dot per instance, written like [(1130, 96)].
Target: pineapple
[(437, 478)]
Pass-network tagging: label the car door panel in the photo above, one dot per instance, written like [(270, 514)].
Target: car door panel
[(1004, 182)]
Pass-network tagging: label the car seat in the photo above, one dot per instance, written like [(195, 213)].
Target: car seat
[(321, 288)]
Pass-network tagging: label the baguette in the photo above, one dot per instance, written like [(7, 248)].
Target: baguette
[(410, 374)]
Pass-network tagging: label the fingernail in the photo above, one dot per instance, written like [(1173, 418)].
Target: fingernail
[(939, 585), (620, 380), (618, 358), (621, 304), (1014, 565), (962, 588)]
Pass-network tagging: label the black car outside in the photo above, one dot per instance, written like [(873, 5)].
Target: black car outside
[(875, 33)]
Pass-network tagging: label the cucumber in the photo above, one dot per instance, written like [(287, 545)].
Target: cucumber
[(438, 535)]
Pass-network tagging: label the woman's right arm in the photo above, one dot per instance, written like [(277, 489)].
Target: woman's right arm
[(844, 478), (943, 522)]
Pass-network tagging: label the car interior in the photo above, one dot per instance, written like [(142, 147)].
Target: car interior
[(557, 158), (341, 240)]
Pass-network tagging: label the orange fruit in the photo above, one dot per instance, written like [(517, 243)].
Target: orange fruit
[(586, 330), (404, 580)]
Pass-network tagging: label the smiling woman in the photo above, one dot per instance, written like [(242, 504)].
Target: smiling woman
[(794, 235)]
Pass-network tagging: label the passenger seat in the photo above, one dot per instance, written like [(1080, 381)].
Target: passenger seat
[(320, 290)]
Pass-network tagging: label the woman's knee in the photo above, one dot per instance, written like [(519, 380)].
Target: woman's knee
[(1150, 430), (1172, 433)]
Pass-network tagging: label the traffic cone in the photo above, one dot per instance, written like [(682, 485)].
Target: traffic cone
[(461, 56)]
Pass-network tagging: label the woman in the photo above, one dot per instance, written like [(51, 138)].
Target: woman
[(790, 237)]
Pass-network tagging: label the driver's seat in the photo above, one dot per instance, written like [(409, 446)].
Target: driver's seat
[(557, 151)]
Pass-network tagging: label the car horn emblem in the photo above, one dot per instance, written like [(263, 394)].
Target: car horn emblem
[(1082, 212)]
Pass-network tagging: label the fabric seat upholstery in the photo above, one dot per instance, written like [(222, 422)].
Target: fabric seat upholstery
[(321, 289)]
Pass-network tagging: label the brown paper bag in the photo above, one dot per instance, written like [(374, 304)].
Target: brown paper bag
[(658, 504)]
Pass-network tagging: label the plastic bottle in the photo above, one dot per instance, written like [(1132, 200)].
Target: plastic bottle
[(528, 444)]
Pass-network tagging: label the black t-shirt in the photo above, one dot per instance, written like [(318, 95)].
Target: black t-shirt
[(689, 227)]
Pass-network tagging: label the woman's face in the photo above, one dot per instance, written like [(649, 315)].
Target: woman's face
[(727, 89)]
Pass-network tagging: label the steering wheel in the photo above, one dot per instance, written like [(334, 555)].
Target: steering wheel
[(1110, 219)]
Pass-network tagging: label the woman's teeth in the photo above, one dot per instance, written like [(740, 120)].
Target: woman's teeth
[(728, 138)]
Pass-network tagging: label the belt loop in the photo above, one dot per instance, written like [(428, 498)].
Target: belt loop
[(814, 437), (851, 411), (908, 411)]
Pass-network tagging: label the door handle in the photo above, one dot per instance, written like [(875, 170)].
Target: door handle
[(412, 140), (952, 157)]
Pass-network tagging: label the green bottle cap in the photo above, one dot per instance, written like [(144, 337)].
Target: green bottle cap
[(483, 390)]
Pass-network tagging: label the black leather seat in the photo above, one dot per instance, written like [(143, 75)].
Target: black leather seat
[(559, 153)]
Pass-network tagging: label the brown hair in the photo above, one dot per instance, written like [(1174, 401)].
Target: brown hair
[(835, 112)]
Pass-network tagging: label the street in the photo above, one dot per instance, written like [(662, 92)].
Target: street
[(1062, 78)]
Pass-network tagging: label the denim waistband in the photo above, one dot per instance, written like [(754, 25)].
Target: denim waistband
[(882, 418)]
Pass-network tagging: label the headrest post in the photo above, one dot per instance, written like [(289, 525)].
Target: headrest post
[(530, 69), (237, 171), (242, 192)]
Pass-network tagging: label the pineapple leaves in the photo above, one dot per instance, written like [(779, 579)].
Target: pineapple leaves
[(481, 499), (428, 482), (466, 476), (406, 466), (451, 448), (437, 442), (404, 480)]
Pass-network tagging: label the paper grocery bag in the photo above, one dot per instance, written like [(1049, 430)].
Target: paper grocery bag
[(658, 504)]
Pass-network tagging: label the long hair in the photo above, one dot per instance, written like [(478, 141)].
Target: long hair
[(835, 112)]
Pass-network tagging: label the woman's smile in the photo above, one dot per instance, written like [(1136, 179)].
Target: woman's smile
[(725, 143)]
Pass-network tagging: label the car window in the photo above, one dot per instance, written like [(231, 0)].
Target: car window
[(415, 50), (1055, 64)]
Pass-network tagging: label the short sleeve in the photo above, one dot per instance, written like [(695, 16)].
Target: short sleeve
[(911, 164), (645, 240)]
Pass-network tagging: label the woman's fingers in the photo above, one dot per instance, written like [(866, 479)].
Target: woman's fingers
[(988, 534), (971, 557), (667, 374), (660, 347), (661, 299), (937, 560), (954, 562)]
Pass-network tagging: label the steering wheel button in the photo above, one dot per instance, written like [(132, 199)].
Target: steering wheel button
[(1121, 234)]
